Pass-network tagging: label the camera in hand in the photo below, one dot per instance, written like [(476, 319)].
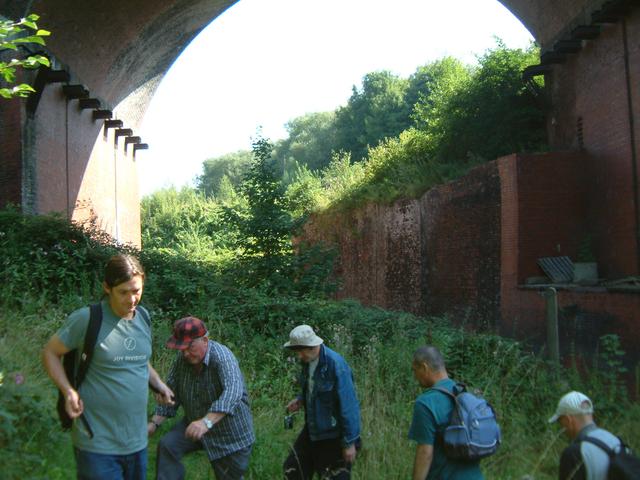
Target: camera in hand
[(288, 422)]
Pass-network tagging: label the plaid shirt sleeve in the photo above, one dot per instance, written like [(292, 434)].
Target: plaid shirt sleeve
[(170, 410), (230, 377)]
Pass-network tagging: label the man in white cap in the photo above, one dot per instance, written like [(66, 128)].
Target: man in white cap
[(327, 443), (582, 459)]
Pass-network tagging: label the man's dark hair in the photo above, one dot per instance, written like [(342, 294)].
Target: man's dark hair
[(431, 356), (122, 268)]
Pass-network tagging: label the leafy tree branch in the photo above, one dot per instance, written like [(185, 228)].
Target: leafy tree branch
[(14, 34)]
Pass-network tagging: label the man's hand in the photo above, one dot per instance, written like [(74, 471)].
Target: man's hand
[(73, 404), (164, 395), (349, 454), (154, 424), (196, 430), (294, 405)]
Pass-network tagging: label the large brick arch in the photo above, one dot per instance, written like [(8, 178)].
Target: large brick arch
[(121, 46), (58, 157)]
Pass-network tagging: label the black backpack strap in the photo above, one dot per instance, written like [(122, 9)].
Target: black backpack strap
[(90, 337), (601, 445)]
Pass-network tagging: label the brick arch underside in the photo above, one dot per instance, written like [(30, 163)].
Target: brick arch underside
[(119, 50), (124, 47)]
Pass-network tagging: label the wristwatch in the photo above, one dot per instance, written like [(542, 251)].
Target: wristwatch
[(207, 422)]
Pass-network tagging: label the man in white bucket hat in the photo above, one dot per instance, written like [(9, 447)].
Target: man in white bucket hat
[(583, 459), (330, 437)]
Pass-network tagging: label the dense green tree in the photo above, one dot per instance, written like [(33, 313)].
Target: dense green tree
[(431, 88), (266, 230), (399, 136), (376, 111), (310, 141), (232, 165), (264, 225), (482, 113)]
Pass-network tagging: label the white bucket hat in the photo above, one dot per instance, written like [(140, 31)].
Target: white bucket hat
[(573, 403), (303, 336)]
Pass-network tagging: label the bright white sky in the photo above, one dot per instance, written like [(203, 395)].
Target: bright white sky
[(263, 63)]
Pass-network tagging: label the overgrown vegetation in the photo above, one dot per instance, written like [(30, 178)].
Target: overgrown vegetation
[(225, 254), (397, 137), (377, 343), (50, 268)]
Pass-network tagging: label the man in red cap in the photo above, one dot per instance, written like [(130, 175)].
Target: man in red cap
[(208, 383)]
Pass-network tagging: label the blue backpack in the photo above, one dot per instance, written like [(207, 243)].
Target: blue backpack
[(473, 431)]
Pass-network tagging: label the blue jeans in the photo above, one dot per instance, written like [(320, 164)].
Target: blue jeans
[(99, 466)]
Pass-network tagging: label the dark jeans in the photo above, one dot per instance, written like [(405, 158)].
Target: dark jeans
[(174, 445), (99, 466), (323, 457)]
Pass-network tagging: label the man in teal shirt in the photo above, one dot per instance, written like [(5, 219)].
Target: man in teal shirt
[(431, 414)]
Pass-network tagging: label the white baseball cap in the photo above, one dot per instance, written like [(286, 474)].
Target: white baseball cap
[(303, 336), (573, 403)]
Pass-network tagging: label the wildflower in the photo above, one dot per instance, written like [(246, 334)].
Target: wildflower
[(18, 378)]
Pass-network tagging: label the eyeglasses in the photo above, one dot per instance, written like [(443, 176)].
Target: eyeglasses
[(192, 343)]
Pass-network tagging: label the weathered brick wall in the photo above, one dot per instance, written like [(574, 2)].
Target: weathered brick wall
[(591, 89), (438, 254), (547, 204), (379, 253), (467, 248), (461, 236), (543, 214), (551, 204)]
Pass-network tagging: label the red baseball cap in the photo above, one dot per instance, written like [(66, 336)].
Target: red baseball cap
[(185, 331)]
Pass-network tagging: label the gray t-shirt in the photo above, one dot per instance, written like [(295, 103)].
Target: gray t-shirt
[(115, 389)]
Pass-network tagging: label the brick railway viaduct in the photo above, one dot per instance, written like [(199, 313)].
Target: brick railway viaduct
[(71, 148)]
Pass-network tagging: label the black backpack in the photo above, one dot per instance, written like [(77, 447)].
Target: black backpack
[(76, 374), (473, 431), (623, 465)]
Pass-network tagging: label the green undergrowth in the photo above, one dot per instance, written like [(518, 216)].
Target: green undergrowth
[(378, 345), (49, 269)]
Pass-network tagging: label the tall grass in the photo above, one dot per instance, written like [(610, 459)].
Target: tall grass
[(378, 344)]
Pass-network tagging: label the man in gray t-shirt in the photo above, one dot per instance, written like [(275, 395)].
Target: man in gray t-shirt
[(112, 399), (115, 389)]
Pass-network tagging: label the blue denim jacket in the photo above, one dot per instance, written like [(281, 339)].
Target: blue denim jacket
[(333, 410)]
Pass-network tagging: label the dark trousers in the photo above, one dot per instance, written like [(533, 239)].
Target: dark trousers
[(174, 445), (323, 457)]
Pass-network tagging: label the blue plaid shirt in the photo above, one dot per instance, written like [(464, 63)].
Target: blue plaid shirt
[(218, 387)]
